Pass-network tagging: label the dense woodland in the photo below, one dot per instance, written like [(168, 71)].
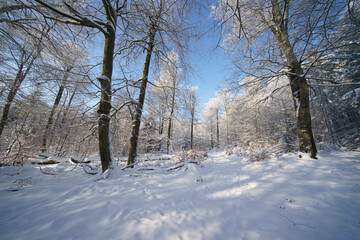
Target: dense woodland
[(111, 78)]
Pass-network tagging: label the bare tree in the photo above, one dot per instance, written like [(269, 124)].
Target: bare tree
[(24, 40), (158, 30), (191, 105), (108, 26), (276, 36)]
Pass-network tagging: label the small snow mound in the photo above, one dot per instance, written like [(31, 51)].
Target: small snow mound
[(106, 174)]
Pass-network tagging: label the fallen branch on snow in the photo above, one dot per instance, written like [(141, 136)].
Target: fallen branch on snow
[(130, 166), (176, 167), (77, 161), (48, 162)]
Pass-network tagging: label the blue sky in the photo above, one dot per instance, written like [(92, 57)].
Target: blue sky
[(209, 72), (208, 61)]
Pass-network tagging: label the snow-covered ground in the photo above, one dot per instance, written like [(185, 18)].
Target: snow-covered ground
[(223, 198)]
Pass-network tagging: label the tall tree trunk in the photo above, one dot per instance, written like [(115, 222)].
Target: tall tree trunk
[(64, 135), (139, 107), (168, 139), (300, 93), (162, 118), (67, 133), (301, 96), (227, 126), (299, 87), (217, 129), (105, 101), (211, 135), (192, 131), (20, 76), (53, 110), (56, 124), (305, 134), (170, 117)]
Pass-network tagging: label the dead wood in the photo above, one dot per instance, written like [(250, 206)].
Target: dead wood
[(48, 162)]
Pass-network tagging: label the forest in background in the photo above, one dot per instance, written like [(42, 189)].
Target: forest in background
[(57, 97)]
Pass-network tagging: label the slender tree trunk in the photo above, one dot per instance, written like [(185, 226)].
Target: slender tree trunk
[(168, 139), (20, 76), (211, 135), (227, 126), (192, 131), (161, 127), (170, 118), (63, 136), (56, 124), (60, 151), (53, 110), (139, 107), (105, 100), (325, 114), (217, 129)]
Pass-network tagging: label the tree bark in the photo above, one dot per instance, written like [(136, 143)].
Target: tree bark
[(105, 101), (298, 83), (108, 28), (139, 107), (192, 130), (301, 98), (170, 117), (168, 139)]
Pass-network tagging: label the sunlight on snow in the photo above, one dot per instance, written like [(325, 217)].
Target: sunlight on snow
[(233, 192)]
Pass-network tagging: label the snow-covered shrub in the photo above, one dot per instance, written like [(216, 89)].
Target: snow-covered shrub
[(190, 155), (259, 156), (228, 151), (255, 155), (14, 160), (240, 151)]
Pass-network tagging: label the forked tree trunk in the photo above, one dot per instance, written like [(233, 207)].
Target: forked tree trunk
[(53, 110), (298, 83), (139, 107), (300, 93)]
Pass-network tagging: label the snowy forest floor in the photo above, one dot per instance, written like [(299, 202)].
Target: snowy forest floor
[(223, 197)]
